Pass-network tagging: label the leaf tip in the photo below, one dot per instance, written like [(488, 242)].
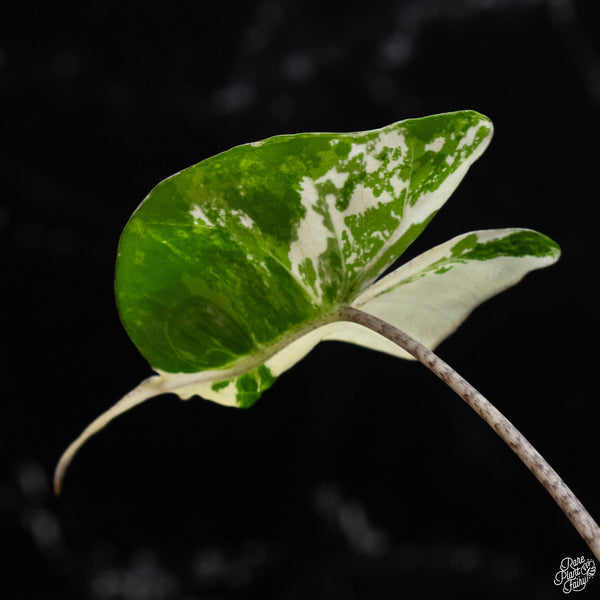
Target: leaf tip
[(60, 470), (146, 389)]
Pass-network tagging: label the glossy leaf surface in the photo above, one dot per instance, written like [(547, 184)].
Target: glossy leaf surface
[(226, 258)]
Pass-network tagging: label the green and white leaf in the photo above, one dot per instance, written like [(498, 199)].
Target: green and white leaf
[(430, 296), (232, 270)]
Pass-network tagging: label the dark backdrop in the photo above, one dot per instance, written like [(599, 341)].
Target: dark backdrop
[(357, 476)]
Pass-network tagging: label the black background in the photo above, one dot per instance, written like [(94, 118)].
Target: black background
[(357, 476)]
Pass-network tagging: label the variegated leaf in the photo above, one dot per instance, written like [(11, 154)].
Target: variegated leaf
[(232, 270), (226, 259), (430, 296)]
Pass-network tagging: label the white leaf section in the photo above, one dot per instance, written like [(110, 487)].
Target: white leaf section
[(312, 235), (436, 145), (430, 303), (226, 396), (148, 388), (198, 215)]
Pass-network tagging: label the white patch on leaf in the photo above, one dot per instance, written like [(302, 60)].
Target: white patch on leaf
[(198, 215), (338, 179), (436, 145), (358, 149), (311, 234), (398, 185), (371, 163), (243, 218), (469, 137), (227, 396), (392, 139)]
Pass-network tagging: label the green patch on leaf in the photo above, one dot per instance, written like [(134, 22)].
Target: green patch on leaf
[(250, 386), (219, 385), (519, 244)]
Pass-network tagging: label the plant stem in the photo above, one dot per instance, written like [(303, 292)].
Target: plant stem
[(548, 477)]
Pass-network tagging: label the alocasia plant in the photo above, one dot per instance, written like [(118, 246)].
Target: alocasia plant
[(232, 270)]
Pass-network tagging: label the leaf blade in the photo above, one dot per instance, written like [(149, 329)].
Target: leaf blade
[(225, 257), (433, 294)]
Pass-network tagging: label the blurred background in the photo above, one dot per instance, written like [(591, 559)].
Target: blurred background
[(357, 476)]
